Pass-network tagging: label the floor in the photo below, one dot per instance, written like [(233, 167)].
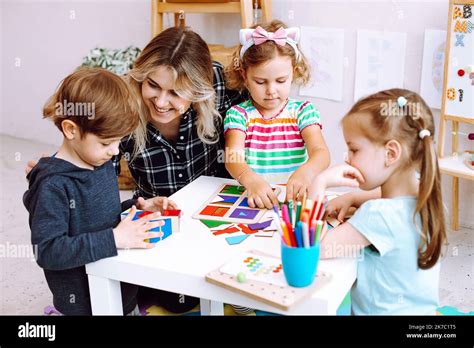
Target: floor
[(23, 289)]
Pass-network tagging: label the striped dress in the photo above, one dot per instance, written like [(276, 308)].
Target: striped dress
[(274, 147)]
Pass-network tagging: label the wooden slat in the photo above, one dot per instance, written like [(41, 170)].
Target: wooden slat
[(229, 7), (459, 119)]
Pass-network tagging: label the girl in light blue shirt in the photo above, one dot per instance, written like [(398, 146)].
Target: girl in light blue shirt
[(399, 230)]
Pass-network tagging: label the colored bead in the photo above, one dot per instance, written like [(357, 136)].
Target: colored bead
[(241, 278), (461, 72)]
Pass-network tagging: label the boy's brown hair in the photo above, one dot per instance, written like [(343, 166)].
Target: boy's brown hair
[(97, 100)]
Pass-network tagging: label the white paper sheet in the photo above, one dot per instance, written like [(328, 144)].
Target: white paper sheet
[(324, 49), (431, 85), (380, 61)]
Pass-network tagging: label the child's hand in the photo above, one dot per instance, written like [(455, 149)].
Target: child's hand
[(339, 206), (260, 194), (156, 204), (342, 175), (132, 234), (299, 182), (31, 163)]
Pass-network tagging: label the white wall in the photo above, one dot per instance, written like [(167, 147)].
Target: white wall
[(51, 44)]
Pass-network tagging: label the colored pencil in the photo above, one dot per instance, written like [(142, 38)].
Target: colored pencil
[(316, 210), (311, 236), (298, 229), (319, 225), (298, 211), (276, 219), (305, 235)]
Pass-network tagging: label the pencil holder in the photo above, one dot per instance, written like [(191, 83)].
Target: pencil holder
[(299, 264)]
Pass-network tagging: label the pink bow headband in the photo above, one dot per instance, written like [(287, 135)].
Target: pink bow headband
[(257, 36)]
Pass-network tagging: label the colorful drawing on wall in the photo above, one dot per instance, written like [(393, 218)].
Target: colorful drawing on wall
[(380, 61), (433, 67), (229, 204), (324, 49)]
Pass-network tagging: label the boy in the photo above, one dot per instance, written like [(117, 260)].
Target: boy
[(73, 197)]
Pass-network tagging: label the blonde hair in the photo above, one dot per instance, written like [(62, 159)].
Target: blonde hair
[(187, 56), (388, 120), (108, 96), (258, 54)]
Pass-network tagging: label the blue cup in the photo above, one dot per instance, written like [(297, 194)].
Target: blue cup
[(299, 264)]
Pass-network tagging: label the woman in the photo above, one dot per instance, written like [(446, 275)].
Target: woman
[(182, 97)]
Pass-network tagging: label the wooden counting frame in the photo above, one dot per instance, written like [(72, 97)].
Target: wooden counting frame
[(282, 297)]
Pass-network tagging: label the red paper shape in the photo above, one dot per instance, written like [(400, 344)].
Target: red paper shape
[(212, 210), (226, 230)]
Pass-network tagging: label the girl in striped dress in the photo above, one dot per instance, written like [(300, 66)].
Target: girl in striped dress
[(271, 138)]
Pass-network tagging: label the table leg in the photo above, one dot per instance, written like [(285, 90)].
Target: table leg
[(106, 296), (209, 307)]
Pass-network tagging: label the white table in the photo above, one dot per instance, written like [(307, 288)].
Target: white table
[(180, 263)]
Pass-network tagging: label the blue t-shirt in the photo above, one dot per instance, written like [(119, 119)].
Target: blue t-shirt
[(389, 280)]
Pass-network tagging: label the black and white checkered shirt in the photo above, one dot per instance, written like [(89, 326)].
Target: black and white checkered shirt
[(161, 169)]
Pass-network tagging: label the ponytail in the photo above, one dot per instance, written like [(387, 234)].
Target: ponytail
[(430, 207)]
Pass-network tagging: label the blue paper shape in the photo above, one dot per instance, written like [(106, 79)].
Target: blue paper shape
[(236, 239)]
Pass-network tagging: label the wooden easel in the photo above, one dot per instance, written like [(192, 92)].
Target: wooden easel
[(455, 107)]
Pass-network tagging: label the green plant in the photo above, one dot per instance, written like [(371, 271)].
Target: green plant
[(118, 61)]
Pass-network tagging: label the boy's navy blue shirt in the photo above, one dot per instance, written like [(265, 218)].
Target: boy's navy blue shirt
[(72, 213)]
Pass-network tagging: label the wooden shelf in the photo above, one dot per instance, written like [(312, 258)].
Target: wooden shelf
[(455, 166)]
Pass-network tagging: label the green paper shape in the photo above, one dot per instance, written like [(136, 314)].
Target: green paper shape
[(233, 190), (212, 223)]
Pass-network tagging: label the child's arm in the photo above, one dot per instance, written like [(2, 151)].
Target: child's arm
[(318, 160), (342, 204), (158, 203), (55, 249), (259, 192), (342, 241)]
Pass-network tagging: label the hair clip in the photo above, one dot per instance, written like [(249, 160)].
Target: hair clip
[(424, 133), (402, 101)]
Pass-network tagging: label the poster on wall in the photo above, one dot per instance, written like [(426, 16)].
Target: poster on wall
[(432, 72), (324, 50), (380, 61)]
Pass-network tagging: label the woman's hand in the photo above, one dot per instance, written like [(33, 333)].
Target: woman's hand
[(156, 204), (299, 183), (132, 234)]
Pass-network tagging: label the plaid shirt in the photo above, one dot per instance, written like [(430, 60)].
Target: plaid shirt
[(161, 169)]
